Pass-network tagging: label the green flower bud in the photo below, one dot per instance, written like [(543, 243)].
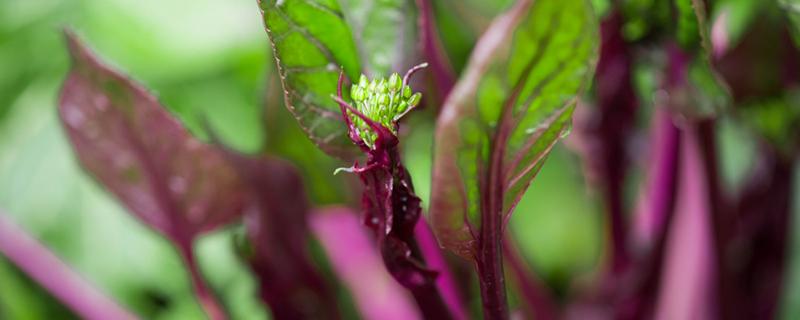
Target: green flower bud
[(363, 81), (395, 82), (382, 87), (406, 92), (402, 107), (384, 100), (414, 100)]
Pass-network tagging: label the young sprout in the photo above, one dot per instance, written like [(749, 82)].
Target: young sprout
[(383, 100)]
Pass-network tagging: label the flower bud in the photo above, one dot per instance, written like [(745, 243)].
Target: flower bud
[(395, 82), (363, 81), (414, 100), (402, 107), (406, 92)]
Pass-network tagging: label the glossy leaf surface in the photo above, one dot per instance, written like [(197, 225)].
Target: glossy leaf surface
[(512, 104), (311, 42), (385, 33), (127, 141)]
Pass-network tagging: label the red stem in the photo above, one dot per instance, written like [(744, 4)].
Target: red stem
[(39, 263), (204, 296)]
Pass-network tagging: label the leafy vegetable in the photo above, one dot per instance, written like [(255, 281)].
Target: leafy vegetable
[(313, 39), (129, 143), (278, 230), (385, 33), (126, 140), (512, 104), (506, 112)]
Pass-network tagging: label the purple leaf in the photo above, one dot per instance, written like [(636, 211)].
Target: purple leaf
[(278, 231), (125, 139), (356, 261)]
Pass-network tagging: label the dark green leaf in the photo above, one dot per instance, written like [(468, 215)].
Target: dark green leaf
[(385, 31), (311, 41)]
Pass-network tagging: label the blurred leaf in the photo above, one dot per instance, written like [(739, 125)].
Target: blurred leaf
[(311, 42), (645, 17), (763, 73), (357, 261), (692, 29), (385, 33), (23, 299), (776, 120), (703, 91), (129, 143), (792, 10), (287, 140), (278, 230), (510, 107)]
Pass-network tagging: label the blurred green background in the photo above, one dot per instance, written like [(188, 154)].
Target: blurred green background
[(210, 60)]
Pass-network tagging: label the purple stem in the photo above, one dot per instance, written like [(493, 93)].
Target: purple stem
[(445, 281), (204, 296), (689, 274), (655, 216), (431, 46), (55, 276), (356, 261), (612, 126), (658, 198), (535, 295)]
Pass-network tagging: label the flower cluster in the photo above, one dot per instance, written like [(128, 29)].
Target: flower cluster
[(384, 101)]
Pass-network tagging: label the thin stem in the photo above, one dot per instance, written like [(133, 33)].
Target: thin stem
[(541, 304), (704, 132), (658, 199), (204, 296), (39, 263), (445, 282)]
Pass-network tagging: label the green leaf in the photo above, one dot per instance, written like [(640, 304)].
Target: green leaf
[(776, 120), (513, 103), (311, 41), (385, 33), (692, 29), (792, 11)]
